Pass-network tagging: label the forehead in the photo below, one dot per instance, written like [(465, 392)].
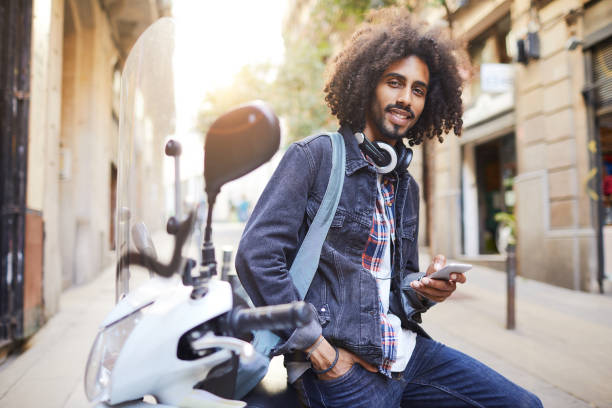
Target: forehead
[(412, 68)]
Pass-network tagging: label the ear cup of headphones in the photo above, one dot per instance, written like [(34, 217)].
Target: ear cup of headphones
[(385, 157), (404, 158), (390, 156)]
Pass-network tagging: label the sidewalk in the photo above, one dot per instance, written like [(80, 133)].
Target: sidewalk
[(561, 349), (50, 372)]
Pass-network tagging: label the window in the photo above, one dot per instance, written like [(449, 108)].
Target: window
[(488, 47)]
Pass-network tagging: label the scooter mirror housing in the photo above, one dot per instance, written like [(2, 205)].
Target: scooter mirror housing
[(237, 143)]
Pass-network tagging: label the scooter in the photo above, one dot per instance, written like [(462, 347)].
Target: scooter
[(178, 339)]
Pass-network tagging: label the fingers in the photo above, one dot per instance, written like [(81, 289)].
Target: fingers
[(346, 360), (356, 359), (434, 285), (458, 277), (437, 263), (434, 289)]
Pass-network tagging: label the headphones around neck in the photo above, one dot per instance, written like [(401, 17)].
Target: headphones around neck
[(386, 158)]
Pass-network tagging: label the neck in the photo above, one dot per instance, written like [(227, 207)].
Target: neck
[(373, 134)]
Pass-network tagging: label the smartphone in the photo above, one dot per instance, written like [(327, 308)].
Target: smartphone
[(445, 272)]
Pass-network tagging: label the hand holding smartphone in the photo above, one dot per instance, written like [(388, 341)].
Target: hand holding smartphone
[(444, 273)]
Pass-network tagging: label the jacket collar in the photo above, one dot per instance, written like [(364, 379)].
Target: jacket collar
[(354, 157)]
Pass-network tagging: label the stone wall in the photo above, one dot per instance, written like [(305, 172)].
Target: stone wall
[(556, 237), (43, 149), (76, 48), (554, 211), (87, 127)]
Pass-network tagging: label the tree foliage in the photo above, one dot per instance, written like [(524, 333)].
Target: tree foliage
[(295, 88), (250, 83)]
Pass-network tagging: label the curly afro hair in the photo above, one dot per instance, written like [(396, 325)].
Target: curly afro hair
[(388, 36)]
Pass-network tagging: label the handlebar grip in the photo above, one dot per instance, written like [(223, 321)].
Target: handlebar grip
[(278, 317)]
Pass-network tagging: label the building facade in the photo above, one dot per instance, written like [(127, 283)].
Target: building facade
[(536, 141), (59, 204)]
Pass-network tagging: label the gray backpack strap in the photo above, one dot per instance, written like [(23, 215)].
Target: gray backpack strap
[(303, 268), (306, 261)]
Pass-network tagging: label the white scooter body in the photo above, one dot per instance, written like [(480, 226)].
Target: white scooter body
[(152, 343), (148, 364)]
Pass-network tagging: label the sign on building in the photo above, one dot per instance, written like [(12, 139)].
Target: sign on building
[(497, 78)]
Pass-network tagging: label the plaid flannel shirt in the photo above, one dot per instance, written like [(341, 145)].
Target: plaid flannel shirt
[(381, 233)]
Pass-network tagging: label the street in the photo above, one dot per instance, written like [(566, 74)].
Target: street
[(560, 349)]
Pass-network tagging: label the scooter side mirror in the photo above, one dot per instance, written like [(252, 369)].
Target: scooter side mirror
[(238, 142)]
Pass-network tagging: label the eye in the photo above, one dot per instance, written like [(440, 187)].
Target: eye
[(394, 83), (419, 91)]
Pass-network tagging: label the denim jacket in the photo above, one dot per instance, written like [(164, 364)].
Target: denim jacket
[(343, 293)]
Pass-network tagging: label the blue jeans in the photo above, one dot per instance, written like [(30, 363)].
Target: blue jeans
[(436, 377)]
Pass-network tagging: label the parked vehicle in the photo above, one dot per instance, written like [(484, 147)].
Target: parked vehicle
[(178, 338)]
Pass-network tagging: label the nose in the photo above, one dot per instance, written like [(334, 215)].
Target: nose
[(404, 98)]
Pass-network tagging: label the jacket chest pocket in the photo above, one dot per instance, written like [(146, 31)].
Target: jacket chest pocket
[(409, 247), (313, 206), (409, 229), (344, 228)]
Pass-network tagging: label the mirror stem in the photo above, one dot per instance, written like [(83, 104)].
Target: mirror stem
[(209, 264), (208, 230), (173, 149)]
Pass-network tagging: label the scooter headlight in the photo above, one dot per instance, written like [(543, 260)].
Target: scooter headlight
[(104, 354)]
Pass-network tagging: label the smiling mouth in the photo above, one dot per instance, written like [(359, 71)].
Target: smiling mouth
[(401, 115)]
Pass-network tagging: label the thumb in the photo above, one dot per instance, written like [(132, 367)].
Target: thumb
[(436, 263)]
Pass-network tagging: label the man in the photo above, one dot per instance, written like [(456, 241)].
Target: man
[(366, 349)]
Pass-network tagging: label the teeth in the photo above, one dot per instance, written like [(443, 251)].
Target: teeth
[(400, 114)]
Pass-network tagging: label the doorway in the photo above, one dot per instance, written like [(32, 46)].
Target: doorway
[(488, 175)]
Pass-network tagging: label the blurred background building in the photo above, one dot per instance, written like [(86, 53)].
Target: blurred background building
[(60, 71), (536, 141)]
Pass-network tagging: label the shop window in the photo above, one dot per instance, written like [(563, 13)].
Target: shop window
[(602, 75), (605, 133), (495, 172), (488, 47), (602, 78)]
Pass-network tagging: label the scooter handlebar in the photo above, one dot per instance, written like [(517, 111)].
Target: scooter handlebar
[(277, 317)]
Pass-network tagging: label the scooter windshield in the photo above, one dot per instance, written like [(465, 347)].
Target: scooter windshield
[(148, 120)]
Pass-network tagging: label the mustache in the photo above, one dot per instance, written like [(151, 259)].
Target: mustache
[(407, 109)]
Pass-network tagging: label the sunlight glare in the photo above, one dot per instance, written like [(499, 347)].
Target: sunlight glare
[(214, 40)]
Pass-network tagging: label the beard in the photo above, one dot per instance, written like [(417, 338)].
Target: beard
[(393, 132), (390, 131)]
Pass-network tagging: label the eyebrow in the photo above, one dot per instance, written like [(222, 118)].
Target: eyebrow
[(421, 83), (403, 78)]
